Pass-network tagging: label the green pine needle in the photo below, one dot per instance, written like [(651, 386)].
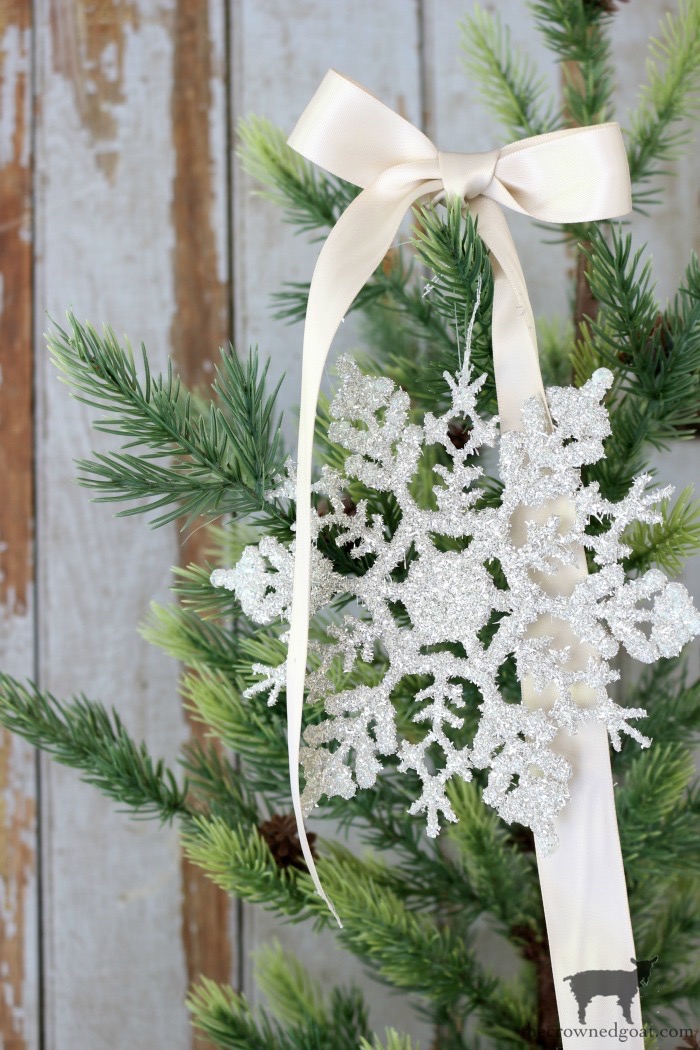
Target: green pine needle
[(251, 729), (227, 1019), (409, 949), (509, 83), (83, 735), (448, 244), (217, 787), (309, 199), (239, 861), (222, 456), (669, 543), (503, 879), (577, 34), (654, 356), (292, 994), (659, 127)]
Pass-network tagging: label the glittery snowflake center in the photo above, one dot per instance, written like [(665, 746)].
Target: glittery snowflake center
[(447, 597), (451, 594)]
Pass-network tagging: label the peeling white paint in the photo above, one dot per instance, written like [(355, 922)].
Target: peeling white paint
[(109, 63), (15, 62), (16, 649), (217, 140)]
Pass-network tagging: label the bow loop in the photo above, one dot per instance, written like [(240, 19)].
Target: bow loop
[(349, 132), (467, 175)]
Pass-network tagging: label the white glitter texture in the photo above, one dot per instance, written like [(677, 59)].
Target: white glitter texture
[(430, 620)]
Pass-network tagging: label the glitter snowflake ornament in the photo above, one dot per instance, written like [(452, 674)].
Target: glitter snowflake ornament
[(451, 593)]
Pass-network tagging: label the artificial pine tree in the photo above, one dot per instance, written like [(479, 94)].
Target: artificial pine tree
[(182, 455)]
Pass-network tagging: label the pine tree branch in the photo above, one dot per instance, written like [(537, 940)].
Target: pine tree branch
[(291, 993), (190, 638), (669, 926), (672, 705), (252, 730), (576, 32), (238, 859), (655, 357), (657, 815), (432, 961), (503, 880), (291, 301), (227, 1019), (216, 786), (394, 290), (196, 593), (400, 353), (621, 282), (555, 337), (309, 198), (509, 83), (258, 735), (670, 543), (83, 735), (378, 817), (658, 127), (317, 202), (223, 456)]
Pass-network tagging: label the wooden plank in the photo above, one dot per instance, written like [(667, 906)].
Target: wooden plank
[(201, 324), (279, 58), (19, 1013), (123, 116)]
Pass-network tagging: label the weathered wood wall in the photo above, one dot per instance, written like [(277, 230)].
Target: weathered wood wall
[(119, 197)]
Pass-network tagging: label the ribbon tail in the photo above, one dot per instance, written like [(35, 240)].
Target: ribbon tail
[(585, 897), (582, 881), (515, 359), (355, 247)]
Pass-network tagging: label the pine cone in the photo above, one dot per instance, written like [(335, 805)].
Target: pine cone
[(280, 833), (660, 335), (522, 838), (459, 435), (665, 338), (607, 6), (323, 507)]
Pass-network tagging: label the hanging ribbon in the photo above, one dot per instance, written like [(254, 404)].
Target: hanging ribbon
[(573, 175)]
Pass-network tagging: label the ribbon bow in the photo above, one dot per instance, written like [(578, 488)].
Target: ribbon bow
[(573, 175)]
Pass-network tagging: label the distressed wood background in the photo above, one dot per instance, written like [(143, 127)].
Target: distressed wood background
[(120, 197)]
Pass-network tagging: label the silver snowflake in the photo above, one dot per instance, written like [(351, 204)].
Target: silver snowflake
[(452, 591)]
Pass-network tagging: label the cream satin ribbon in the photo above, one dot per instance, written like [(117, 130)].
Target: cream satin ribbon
[(573, 175)]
